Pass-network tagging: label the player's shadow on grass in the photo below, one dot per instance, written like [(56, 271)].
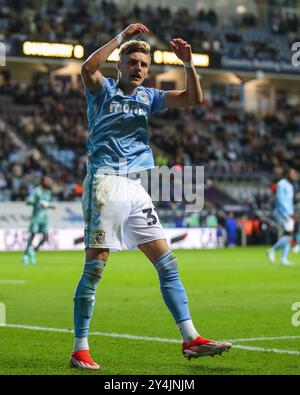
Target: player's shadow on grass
[(220, 370)]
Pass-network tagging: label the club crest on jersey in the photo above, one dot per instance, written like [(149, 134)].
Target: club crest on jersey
[(144, 97)]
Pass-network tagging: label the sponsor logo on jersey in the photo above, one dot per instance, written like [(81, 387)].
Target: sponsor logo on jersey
[(127, 108)]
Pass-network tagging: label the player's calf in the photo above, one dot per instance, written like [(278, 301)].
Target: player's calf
[(85, 296), (84, 301), (174, 294), (171, 287)]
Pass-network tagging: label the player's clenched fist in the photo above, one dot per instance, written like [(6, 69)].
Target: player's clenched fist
[(182, 49), (134, 29)]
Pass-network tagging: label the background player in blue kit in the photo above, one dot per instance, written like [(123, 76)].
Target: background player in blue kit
[(284, 212), (118, 212)]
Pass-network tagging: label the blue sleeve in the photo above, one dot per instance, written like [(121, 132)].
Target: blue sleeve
[(91, 95), (158, 100)]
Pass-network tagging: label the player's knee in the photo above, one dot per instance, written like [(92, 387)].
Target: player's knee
[(93, 270), (100, 254)]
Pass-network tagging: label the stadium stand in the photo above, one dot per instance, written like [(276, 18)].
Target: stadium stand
[(94, 23)]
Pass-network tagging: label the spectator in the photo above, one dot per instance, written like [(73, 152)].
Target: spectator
[(232, 229)]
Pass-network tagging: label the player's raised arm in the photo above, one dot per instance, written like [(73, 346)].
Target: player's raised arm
[(192, 94), (92, 77)]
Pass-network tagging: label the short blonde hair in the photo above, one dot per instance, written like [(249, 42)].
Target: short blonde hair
[(134, 46)]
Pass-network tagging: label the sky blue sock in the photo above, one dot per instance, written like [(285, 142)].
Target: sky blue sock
[(286, 247), (280, 243), (85, 296), (171, 287)]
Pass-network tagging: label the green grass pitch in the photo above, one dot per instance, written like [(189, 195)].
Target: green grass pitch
[(233, 294)]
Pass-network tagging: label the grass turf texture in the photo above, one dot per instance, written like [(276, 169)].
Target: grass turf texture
[(233, 294)]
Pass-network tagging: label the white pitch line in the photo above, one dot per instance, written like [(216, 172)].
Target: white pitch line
[(276, 350), (251, 339), (165, 340), (39, 328), (116, 335), (13, 282), (134, 337)]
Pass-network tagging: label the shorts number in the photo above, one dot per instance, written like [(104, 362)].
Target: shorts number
[(153, 219)]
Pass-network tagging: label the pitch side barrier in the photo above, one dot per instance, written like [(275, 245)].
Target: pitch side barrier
[(66, 229)]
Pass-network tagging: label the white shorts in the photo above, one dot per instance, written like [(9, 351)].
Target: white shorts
[(118, 213)]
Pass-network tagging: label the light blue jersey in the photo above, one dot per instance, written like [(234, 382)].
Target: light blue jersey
[(284, 202), (118, 128)]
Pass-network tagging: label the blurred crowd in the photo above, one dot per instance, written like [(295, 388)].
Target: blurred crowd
[(229, 140), (49, 136), (93, 23)]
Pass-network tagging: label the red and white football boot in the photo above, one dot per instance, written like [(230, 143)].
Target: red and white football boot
[(82, 360), (201, 347)]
